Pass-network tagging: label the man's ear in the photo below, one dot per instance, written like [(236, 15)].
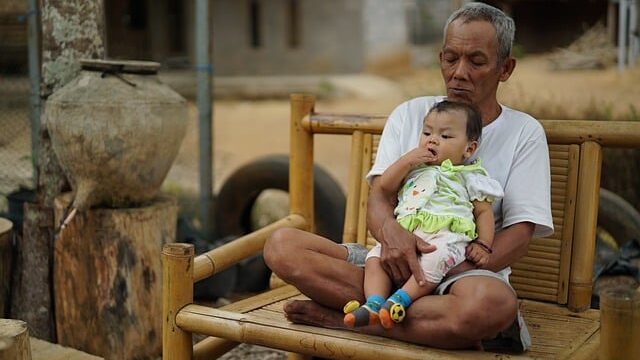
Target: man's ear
[(507, 68), (471, 148)]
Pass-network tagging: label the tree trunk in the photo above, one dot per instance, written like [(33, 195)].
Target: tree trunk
[(31, 299), (14, 340), (108, 278)]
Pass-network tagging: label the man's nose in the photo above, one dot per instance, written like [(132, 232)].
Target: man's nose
[(460, 70)]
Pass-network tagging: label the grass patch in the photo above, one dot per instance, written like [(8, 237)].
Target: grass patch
[(594, 110), (598, 111)]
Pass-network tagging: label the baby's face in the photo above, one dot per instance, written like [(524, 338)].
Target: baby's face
[(444, 134)]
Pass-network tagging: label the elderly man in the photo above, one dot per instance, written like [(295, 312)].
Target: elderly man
[(473, 307)]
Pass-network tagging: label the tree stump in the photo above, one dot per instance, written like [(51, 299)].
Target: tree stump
[(6, 259), (31, 298), (108, 278), (14, 340)]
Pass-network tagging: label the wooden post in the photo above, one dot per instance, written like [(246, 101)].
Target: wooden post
[(6, 260), (14, 340), (107, 282), (177, 291), (301, 163)]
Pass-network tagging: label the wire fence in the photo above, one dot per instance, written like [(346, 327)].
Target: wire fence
[(16, 166)]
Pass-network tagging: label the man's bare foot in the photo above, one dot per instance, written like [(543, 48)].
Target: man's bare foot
[(311, 313)]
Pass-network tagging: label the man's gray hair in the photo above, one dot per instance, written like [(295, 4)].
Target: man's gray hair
[(504, 25)]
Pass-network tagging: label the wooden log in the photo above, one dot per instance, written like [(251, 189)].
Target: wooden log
[(6, 259), (14, 340), (31, 298), (107, 278)]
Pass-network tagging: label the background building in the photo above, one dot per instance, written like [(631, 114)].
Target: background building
[(255, 37), (260, 37)]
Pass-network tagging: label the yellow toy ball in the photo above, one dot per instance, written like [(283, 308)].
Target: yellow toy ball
[(351, 306), (397, 312)]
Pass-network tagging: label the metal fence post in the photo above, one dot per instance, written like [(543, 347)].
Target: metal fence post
[(205, 73)]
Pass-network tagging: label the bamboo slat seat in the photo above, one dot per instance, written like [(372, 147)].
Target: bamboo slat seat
[(553, 280), (555, 332)]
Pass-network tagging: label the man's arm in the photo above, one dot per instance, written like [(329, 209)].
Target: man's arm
[(399, 247), (509, 245)]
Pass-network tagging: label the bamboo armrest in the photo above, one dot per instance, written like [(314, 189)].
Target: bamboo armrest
[(221, 258)]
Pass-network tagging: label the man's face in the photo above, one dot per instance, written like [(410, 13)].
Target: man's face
[(469, 63)]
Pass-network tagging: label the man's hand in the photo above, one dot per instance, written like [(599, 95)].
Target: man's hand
[(399, 255), (477, 254)]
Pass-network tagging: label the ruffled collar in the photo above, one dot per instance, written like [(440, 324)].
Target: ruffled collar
[(447, 166)]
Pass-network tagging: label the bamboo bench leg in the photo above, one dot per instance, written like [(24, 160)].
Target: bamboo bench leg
[(177, 291)]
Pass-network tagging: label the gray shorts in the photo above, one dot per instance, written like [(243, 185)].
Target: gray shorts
[(357, 254), (515, 338)]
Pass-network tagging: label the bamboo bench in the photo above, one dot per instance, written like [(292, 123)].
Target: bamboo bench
[(553, 281)]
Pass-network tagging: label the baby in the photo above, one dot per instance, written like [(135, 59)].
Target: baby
[(442, 201)]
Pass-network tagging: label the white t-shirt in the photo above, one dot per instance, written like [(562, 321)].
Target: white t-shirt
[(513, 149)]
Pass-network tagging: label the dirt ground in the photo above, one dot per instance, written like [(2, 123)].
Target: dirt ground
[(245, 130)]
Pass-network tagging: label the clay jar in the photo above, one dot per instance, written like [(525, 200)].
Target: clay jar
[(116, 130)]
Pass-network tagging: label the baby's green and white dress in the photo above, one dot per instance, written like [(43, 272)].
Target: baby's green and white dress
[(436, 203)]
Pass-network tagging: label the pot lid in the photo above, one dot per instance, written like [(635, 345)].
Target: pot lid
[(121, 66)]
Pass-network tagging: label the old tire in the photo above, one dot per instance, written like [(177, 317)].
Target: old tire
[(239, 193), (618, 217)]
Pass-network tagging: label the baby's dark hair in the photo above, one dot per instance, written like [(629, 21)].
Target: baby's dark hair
[(474, 120)]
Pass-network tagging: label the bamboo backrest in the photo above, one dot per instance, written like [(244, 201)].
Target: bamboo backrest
[(557, 268)]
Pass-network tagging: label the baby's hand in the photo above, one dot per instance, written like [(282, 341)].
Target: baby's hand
[(419, 156), (477, 254)]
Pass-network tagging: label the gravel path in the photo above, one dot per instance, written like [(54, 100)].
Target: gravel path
[(253, 352)]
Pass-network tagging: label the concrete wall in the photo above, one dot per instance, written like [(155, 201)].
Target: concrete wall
[(330, 38), (333, 36), (385, 30)]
